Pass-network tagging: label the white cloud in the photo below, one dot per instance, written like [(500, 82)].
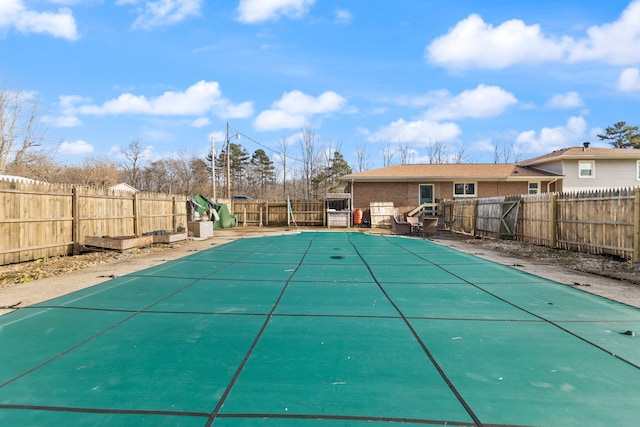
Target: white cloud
[(60, 24), (63, 121), (278, 119), (565, 101), (68, 117), (343, 16), (613, 43), (550, 139), (236, 111), (162, 13), (75, 147), (201, 98), (629, 80), (295, 109), (483, 145), (423, 132), (146, 152), (299, 102), (430, 98), (252, 11), (472, 43), (200, 122), (483, 101)]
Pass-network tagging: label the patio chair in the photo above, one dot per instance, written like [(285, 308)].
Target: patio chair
[(416, 224), (400, 227), (429, 225)]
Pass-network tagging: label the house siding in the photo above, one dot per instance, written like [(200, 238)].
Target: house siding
[(554, 166), (608, 173)]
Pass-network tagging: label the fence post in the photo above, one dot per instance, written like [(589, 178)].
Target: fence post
[(553, 220), (636, 227), (75, 222), (136, 215), (174, 219), (474, 220)]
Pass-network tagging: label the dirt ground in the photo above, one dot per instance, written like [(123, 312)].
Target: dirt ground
[(32, 282)]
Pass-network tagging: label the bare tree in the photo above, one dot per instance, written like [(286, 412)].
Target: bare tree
[(160, 176), (308, 148), (283, 144), (190, 174), (101, 172), (38, 165), (133, 163), (20, 127), (506, 153), (517, 153), (387, 154), (460, 156), (94, 171), (437, 153), (406, 154), (363, 157)]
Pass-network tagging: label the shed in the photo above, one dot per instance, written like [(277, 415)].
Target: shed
[(339, 210)]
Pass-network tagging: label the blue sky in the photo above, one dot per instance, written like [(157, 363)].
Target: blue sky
[(468, 75)]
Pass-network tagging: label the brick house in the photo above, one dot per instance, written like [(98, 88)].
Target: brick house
[(569, 169), (408, 186)]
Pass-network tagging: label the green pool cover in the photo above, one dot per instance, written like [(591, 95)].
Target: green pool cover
[(322, 329)]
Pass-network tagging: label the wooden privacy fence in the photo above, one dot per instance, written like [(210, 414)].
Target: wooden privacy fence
[(271, 213), (596, 222), (42, 220)]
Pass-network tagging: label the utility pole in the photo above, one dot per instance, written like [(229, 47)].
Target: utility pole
[(228, 166), (213, 168)]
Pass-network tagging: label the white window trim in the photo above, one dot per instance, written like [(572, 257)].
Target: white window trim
[(592, 163), (637, 170), (475, 189), (538, 183)]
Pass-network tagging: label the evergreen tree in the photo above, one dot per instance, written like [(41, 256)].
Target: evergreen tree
[(621, 135), (339, 167), (237, 168), (263, 170), (327, 179)]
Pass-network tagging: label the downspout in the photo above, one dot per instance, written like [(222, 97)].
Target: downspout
[(352, 208), (549, 184)]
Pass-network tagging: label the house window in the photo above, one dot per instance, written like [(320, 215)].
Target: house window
[(534, 188), (586, 169), (464, 189), (638, 170)]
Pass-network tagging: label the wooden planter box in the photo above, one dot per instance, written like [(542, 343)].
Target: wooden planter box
[(121, 243), (169, 237)]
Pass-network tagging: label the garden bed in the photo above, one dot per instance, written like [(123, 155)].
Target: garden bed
[(118, 243)]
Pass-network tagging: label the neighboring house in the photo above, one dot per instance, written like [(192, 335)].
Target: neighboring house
[(586, 168), (123, 186), (14, 178), (408, 186)]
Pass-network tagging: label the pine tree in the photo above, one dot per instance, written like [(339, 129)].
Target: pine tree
[(237, 168), (621, 135), (263, 170), (327, 179)]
